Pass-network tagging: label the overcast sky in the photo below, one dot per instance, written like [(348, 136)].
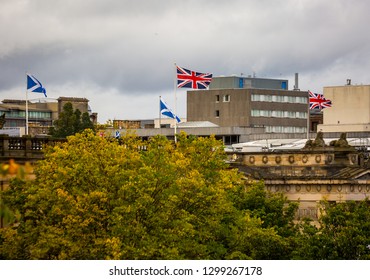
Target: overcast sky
[(120, 54)]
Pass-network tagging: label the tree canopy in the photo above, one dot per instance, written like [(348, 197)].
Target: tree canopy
[(94, 198), (100, 198), (343, 233), (70, 122)]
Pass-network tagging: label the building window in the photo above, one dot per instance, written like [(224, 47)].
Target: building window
[(279, 98), (278, 114), (285, 129), (226, 98), (217, 98), (217, 113)]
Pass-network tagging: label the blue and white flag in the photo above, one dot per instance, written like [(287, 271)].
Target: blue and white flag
[(34, 85), (166, 111)]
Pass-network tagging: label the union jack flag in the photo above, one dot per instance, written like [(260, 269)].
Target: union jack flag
[(318, 101), (191, 79)]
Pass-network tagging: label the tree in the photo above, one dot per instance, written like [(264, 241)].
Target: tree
[(70, 122), (272, 208), (86, 122), (343, 232), (275, 235), (94, 198)]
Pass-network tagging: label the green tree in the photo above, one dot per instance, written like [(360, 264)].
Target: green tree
[(77, 121), (70, 122), (342, 233), (276, 234), (273, 209), (86, 122), (97, 198)]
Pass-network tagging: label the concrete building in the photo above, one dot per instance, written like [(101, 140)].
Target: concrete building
[(277, 111), (350, 111)]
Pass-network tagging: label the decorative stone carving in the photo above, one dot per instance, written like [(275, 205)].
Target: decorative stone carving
[(265, 159), (341, 142), (318, 142)]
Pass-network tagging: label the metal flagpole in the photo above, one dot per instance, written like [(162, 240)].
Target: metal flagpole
[(160, 115), (175, 89), (26, 107), (308, 118)]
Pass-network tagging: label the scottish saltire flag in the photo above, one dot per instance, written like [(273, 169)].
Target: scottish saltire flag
[(166, 111), (34, 85), (191, 79), (318, 101)]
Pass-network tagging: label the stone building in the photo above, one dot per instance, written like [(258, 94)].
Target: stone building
[(335, 173)]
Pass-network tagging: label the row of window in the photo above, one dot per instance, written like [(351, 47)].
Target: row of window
[(31, 114), (286, 129), (269, 98), (279, 114), (279, 98)]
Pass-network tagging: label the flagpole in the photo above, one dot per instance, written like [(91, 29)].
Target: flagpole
[(160, 115), (308, 118), (175, 89), (26, 107)]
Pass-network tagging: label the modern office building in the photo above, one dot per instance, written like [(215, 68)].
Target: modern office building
[(277, 111), (41, 115)]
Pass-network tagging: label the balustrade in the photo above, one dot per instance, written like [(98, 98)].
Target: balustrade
[(24, 148)]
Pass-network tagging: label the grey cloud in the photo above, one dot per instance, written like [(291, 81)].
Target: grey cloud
[(130, 47)]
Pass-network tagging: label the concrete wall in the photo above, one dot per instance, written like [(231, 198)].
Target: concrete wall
[(202, 106), (350, 111)]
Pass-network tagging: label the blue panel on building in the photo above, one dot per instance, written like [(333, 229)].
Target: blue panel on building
[(283, 85), (241, 83)]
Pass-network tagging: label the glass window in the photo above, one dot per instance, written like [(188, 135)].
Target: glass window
[(255, 97), (255, 113)]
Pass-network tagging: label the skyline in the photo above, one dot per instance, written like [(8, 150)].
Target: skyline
[(120, 54)]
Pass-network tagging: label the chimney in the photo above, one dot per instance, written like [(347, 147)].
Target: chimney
[(296, 82)]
